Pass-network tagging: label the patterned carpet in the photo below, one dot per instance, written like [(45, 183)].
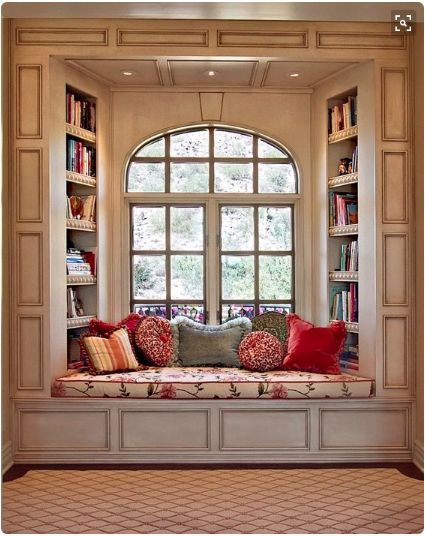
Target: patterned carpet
[(212, 500)]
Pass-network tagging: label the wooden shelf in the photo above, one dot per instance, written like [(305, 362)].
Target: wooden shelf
[(344, 230), (81, 225), (343, 276), (79, 321), (80, 133), (343, 135), (81, 280), (343, 180), (78, 178)]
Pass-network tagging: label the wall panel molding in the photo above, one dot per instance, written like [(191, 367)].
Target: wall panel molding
[(394, 95), (29, 268), (247, 38), (176, 38), (29, 186), (395, 269), (28, 101), (396, 351), (29, 352), (395, 189), (361, 40), (211, 106), (62, 36)]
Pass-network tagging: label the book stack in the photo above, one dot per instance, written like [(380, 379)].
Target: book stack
[(343, 209), (342, 116), (74, 305), (81, 262), (80, 112), (355, 160), (349, 259), (344, 303), (81, 207), (349, 358), (80, 158)]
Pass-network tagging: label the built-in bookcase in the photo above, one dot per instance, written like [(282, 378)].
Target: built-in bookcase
[(81, 224), (343, 243)]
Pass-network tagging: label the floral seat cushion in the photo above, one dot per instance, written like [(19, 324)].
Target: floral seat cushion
[(212, 383)]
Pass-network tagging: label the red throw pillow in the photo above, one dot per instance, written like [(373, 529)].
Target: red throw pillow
[(154, 337), (260, 351), (313, 349)]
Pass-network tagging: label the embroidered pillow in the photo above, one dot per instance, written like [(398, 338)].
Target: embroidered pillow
[(260, 351), (153, 337), (113, 354), (314, 349)]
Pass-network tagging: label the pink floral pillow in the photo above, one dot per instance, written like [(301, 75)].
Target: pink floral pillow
[(153, 336), (260, 351)]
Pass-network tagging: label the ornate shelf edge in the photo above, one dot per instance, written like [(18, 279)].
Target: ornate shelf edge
[(351, 327), (343, 276), (80, 133), (78, 178), (341, 230), (341, 180), (81, 280), (79, 322), (81, 225), (345, 134)]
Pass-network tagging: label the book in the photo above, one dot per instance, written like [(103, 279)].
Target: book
[(80, 111), (78, 268), (342, 115)]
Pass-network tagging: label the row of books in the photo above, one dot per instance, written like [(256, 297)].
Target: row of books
[(344, 303), (80, 112), (349, 357), (80, 262), (349, 257), (74, 304), (81, 207), (342, 116), (80, 158), (343, 209)]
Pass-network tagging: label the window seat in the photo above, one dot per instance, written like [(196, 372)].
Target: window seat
[(212, 383)]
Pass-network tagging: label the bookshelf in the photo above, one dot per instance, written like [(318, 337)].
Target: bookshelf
[(343, 225), (80, 223)]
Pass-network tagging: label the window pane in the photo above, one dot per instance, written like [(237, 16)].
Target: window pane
[(190, 144), (151, 310), (156, 149), (275, 277), (235, 310), (196, 312), (149, 228), (237, 228), (278, 178), (285, 307), (187, 228), (267, 150), (149, 276), (146, 177), (237, 277), (233, 177), (274, 227), (187, 277), (192, 177), (232, 144)]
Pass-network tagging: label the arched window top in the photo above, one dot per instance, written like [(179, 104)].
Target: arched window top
[(212, 160)]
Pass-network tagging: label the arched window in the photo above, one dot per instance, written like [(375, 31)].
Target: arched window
[(212, 231)]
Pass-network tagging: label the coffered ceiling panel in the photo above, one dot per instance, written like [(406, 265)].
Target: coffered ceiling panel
[(300, 73), (198, 73), (139, 72)]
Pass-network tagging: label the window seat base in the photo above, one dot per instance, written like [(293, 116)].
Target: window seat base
[(212, 383)]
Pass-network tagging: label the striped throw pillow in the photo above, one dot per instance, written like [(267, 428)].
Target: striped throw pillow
[(110, 355)]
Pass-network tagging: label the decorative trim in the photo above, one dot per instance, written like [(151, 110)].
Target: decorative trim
[(388, 195), (418, 454), (78, 178), (81, 225), (6, 456), (387, 270), (81, 133), (163, 38), (61, 36), (21, 182), (26, 131), (37, 354), (79, 322), (387, 350), (241, 38), (210, 110), (351, 327), (29, 279), (370, 40), (250, 82), (341, 180), (394, 108), (341, 135), (81, 280), (344, 230), (343, 276)]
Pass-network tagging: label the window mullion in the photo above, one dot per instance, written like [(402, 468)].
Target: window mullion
[(167, 164), (167, 261), (256, 264)]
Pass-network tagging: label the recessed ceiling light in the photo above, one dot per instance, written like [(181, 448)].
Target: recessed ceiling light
[(127, 73), (211, 73), (294, 75)]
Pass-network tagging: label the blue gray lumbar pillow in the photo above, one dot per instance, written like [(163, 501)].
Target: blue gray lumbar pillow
[(199, 345)]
